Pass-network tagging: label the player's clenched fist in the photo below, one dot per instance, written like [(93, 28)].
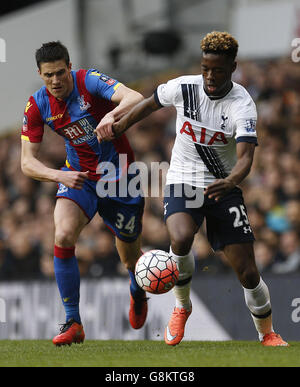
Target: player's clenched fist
[(73, 179)]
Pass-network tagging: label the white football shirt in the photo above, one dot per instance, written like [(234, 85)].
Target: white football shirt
[(207, 129)]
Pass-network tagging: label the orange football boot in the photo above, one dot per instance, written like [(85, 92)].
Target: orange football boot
[(70, 332), (138, 311), (273, 340), (175, 329)]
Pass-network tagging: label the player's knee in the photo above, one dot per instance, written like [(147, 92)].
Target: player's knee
[(64, 238), (129, 263), (129, 252), (249, 276), (181, 242)]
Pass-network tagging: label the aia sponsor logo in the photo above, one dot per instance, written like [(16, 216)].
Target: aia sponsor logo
[(204, 137)]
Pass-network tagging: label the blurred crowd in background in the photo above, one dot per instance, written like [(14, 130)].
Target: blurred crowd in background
[(271, 191)]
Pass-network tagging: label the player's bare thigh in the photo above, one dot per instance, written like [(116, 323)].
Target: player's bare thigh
[(182, 229), (69, 220)]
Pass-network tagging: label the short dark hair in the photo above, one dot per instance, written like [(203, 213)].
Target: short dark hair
[(51, 52), (221, 43)]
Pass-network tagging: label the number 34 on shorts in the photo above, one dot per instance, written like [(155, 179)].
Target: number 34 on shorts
[(125, 220), (129, 226)]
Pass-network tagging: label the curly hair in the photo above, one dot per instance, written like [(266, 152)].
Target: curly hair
[(222, 43)]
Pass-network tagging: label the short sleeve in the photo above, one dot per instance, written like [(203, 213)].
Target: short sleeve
[(246, 130), (245, 117), (165, 94), (33, 125), (100, 85)]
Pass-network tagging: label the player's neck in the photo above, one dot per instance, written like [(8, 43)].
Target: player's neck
[(222, 94)]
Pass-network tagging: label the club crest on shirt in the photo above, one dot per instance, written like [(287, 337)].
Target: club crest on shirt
[(223, 123), (82, 104)]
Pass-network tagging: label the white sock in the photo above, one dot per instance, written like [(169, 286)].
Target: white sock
[(182, 295), (263, 326), (258, 302), (186, 267)]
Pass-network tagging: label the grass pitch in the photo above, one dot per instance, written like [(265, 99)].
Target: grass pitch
[(42, 353)]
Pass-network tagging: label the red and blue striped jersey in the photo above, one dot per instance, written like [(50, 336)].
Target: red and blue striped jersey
[(75, 119)]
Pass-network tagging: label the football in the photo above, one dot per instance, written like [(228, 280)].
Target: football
[(156, 272)]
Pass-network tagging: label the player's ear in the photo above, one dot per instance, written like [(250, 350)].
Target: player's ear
[(70, 66), (234, 65)]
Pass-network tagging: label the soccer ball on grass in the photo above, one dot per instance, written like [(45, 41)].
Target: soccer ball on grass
[(156, 272)]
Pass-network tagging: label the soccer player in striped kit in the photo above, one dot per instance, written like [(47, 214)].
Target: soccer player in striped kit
[(73, 104), (213, 153)]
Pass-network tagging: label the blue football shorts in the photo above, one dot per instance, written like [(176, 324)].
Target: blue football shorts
[(122, 215), (226, 220)]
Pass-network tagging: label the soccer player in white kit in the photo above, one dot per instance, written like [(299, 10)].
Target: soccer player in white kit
[(213, 153)]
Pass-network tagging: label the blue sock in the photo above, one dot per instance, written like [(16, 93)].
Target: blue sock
[(135, 290), (68, 280)]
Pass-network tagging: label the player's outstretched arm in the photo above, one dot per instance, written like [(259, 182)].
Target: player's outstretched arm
[(136, 114), (245, 154), (35, 169), (125, 98)]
